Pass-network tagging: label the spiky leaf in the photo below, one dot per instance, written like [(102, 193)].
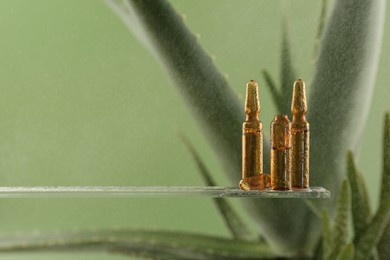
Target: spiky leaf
[(373, 232), (360, 204), (376, 228), (385, 184), (231, 218), (326, 236), (282, 96), (321, 26), (348, 58), (343, 212), (383, 246), (193, 71), (343, 85), (275, 92), (287, 73), (385, 190)]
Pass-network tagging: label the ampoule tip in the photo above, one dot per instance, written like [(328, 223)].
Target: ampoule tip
[(252, 103)]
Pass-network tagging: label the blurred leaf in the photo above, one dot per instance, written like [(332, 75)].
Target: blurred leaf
[(383, 246), (194, 73), (341, 90), (342, 87), (326, 236), (150, 244), (385, 190), (275, 92), (360, 204), (287, 75), (375, 254), (232, 220), (364, 193), (376, 228), (313, 208), (347, 252), (321, 26), (343, 82), (373, 233), (343, 211), (282, 96)]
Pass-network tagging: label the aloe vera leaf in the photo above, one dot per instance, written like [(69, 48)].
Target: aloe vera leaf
[(342, 220), (374, 231), (217, 109), (326, 236), (208, 94), (338, 107), (150, 244), (282, 97), (360, 207), (287, 74), (342, 87), (365, 197), (275, 92), (193, 72), (123, 10), (321, 26), (231, 218), (383, 247), (385, 190)]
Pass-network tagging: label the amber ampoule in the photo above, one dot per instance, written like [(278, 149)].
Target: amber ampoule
[(300, 138), (280, 153), (252, 143)]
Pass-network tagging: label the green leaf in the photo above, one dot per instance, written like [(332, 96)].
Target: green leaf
[(343, 81), (232, 220), (321, 26), (373, 233), (193, 72), (275, 92), (364, 193), (282, 97), (342, 87), (343, 212), (287, 73), (326, 235), (385, 190), (215, 106), (343, 84), (360, 205), (347, 253), (376, 228), (150, 244), (383, 246)]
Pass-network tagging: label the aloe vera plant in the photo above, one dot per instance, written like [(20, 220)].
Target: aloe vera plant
[(344, 79)]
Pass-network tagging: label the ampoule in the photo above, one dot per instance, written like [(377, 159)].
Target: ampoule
[(252, 143), (280, 153), (300, 138)]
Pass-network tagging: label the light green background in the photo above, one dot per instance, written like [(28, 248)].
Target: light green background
[(83, 103)]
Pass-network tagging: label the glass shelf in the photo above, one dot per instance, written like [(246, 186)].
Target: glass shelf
[(48, 192)]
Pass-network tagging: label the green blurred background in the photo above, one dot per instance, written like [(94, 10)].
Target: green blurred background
[(82, 102)]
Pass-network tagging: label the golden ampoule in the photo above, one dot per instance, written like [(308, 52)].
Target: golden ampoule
[(280, 153), (300, 138), (252, 142)]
